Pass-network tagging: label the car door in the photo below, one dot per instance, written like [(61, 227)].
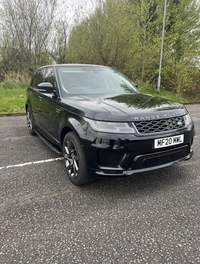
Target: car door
[(49, 116), (34, 94)]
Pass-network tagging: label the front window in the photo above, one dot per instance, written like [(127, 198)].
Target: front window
[(93, 80)]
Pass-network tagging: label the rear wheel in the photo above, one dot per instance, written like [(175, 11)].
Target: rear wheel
[(30, 121), (75, 161)]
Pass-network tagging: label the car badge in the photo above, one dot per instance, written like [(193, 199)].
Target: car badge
[(179, 123)]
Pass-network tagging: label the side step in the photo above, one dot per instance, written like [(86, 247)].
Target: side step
[(53, 147)]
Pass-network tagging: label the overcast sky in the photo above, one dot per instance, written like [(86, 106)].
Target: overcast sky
[(69, 7), (75, 2), (81, 2)]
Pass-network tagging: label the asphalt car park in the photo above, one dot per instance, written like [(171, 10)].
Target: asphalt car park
[(151, 217)]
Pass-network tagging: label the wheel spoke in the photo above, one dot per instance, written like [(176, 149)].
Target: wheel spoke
[(75, 165), (67, 152)]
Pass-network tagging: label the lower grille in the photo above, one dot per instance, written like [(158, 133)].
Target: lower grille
[(160, 158), (109, 158)]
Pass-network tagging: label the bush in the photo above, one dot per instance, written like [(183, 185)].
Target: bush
[(14, 81), (181, 78), (9, 84)]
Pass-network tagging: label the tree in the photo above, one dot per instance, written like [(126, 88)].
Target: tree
[(25, 27), (119, 33), (182, 46), (58, 42), (127, 34)]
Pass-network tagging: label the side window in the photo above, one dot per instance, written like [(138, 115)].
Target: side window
[(49, 75), (44, 75), (38, 78)]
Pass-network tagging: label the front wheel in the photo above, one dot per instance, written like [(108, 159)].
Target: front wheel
[(75, 161), (30, 121)]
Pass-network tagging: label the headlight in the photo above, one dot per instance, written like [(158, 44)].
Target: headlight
[(111, 127), (188, 120)]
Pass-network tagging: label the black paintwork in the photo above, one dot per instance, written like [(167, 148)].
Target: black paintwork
[(56, 113), (123, 107)]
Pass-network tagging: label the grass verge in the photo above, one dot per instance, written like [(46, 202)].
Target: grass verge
[(12, 101), (179, 98)]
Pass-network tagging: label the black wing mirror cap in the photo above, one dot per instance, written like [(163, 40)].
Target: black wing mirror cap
[(46, 87)]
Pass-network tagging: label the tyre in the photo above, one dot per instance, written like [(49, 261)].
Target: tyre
[(30, 122), (75, 161)]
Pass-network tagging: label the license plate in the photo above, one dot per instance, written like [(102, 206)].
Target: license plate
[(169, 141)]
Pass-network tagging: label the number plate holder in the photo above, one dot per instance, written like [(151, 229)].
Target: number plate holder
[(168, 141)]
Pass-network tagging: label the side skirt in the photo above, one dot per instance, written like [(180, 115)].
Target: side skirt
[(53, 147)]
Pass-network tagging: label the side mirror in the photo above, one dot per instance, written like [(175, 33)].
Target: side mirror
[(46, 87)]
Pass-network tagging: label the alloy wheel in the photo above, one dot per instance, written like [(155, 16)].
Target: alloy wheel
[(29, 120), (71, 159)]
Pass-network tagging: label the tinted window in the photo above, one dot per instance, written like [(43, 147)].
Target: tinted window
[(93, 80), (49, 75), (38, 77)]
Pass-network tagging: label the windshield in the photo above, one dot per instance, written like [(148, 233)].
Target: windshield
[(92, 80)]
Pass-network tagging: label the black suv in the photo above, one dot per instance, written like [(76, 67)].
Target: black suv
[(102, 124)]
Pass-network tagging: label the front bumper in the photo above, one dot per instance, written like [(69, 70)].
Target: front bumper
[(148, 162), (114, 155)]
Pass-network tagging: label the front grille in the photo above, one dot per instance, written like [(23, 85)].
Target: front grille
[(159, 125)]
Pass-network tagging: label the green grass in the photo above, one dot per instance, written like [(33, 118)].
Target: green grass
[(12, 101), (183, 99)]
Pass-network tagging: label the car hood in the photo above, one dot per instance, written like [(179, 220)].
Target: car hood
[(126, 107)]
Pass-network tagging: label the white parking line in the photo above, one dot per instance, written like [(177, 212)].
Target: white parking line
[(30, 163)]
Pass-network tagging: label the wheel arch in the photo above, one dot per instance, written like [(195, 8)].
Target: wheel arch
[(64, 131), (67, 125)]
